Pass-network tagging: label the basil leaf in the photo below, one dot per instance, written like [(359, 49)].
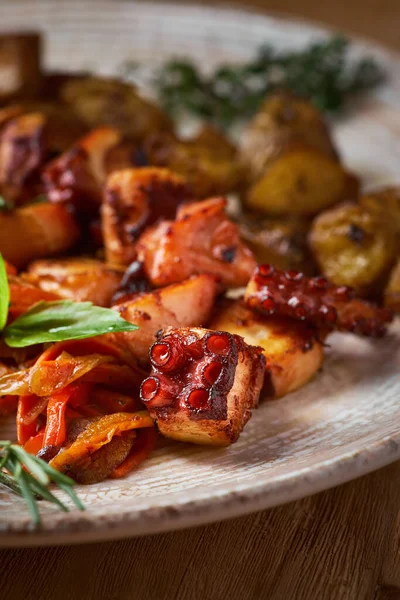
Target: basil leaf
[(4, 294), (63, 320)]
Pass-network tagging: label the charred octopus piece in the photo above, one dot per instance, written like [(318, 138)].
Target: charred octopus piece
[(291, 294), (203, 385)]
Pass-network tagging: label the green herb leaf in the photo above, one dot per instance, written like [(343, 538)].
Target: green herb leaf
[(63, 320), (322, 72), (4, 294), (32, 485)]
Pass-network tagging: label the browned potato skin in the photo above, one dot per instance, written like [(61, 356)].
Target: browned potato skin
[(354, 246), (77, 176), (281, 242), (22, 152), (186, 304), (386, 203), (292, 166), (392, 291), (201, 240), (36, 231), (101, 463), (133, 200), (208, 161), (100, 101), (20, 65), (292, 351), (78, 279)]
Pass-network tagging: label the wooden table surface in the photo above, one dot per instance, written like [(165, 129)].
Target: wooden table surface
[(343, 544)]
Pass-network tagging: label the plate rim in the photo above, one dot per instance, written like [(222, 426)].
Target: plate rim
[(87, 528)]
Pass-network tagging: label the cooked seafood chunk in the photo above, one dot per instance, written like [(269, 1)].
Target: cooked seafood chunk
[(36, 231), (292, 349), (201, 240), (100, 101), (291, 162), (134, 199), (354, 246), (22, 153), (314, 300), (184, 304), (79, 279), (203, 385), (77, 176), (208, 161)]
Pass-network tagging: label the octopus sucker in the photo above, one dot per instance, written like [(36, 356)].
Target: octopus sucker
[(315, 300), (203, 385)]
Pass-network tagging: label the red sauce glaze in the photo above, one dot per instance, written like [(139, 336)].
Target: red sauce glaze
[(292, 294)]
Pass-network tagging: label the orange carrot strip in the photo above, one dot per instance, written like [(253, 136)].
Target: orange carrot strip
[(142, 448), (26, 431), (35, 443), (56, 429)]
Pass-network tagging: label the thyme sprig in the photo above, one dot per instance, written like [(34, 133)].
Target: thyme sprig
[(322, 72), (30, 476)]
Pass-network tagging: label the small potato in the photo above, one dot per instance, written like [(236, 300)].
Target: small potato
[(384, 202), (100, 101), (201, 240), (79, 279), (185, 304), (392, 291), (281, 242), (354, 246), (293, 353), (207, 161), (291, 163), (300, 182), (36, 231), (133, 200)]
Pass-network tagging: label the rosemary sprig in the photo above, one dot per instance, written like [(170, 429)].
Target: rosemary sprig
[(321, 72), (30, 477)]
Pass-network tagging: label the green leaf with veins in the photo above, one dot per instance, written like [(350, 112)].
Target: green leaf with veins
[(4, 294), (63, 320)]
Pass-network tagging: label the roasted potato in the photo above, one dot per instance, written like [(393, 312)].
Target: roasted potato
[(100, 101), (292, 351), (208, 161), (292, 166), (384, 202), (201, 240), (133, 200), (36, 231), (80, 279), (20, 66), (203, 385), (354, 246), (184, 304), (281, 242), (77, 176), (392, 290)]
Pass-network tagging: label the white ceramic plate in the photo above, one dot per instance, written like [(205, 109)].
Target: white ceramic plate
[(343, 424)]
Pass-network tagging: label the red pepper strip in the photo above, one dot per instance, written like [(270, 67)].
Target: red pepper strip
[(114, 402), (35, 443), (71, 413), (56, 428), (25, 431), (8, 405), (142, 448), (91, 410)]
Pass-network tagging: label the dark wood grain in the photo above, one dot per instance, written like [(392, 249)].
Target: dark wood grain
[(338, 545)]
